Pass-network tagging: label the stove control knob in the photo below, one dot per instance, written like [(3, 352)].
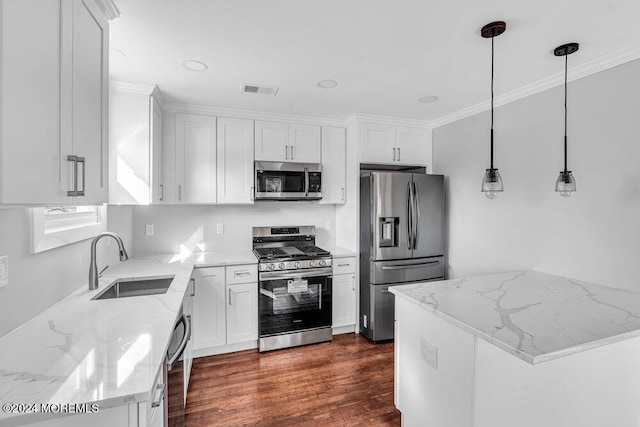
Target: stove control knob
[(281, 266), (296, 264), (322, 263), (312, 263), (271, 266)]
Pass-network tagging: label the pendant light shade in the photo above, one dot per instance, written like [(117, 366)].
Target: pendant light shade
[(492, 182), (566, 183)]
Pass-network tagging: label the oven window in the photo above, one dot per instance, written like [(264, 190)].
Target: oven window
[(293, 304)]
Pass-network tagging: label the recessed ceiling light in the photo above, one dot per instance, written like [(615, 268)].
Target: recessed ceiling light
[(327, 84), (428, 99), (193, 65), (116, 53)]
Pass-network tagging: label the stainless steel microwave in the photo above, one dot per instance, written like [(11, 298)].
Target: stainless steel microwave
[(288, 181)]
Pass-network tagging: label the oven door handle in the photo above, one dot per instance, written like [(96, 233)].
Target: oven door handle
[(315, 272)]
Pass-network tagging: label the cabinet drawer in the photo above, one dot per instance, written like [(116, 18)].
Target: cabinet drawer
[(211, 272), (344, 265), (242, 274)]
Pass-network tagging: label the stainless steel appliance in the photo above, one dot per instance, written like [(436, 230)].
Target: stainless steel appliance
[(175, 398), (401, 241), (295, 286), (288, 181)]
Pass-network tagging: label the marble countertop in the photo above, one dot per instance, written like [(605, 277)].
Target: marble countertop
[(535, 316), (104, 351), (339, 252), (238, 257)]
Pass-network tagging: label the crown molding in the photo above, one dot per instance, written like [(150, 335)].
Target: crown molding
[(397, 121), (173, 107), (603, 63), (109, 8), (127, 87)]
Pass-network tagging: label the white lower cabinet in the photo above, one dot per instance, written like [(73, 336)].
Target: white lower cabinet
[(344, 292), (242, 313), (225, 309), (209, 319)]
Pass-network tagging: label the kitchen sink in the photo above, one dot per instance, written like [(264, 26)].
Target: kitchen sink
[(136, 287)]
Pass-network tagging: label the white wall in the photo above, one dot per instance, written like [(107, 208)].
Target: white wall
[(38, 281), (192, 225), (595, 234)]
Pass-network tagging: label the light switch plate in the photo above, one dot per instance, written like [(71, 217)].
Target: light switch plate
[(220, 228), (429, 353), (4, 271), (327, 225), (149, 230)]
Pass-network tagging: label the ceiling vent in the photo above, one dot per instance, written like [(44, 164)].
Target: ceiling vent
[(262, 90)]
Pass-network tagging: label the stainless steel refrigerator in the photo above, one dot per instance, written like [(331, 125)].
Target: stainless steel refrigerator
[(401, 241)]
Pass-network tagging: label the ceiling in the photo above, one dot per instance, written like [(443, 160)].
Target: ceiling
[(384, 54)]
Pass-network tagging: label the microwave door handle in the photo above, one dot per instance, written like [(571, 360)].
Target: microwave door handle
[(306, 182)]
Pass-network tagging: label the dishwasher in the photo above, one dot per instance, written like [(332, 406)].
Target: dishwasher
[(174, 403)]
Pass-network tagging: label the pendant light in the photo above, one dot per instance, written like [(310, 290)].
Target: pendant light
[(566, 183), (492, 182)]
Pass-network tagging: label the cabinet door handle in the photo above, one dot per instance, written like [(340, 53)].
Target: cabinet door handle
[(394, 154), (230, 297), (343, 265), (74, 159), (161, 192), (193, 287), (179, 192), (292, 156), (251, 194), (242, 273), (81, 160), (286, 152), (398, 153), (343, 194)]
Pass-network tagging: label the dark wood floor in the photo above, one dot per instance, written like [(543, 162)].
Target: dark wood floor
[(348, 382)]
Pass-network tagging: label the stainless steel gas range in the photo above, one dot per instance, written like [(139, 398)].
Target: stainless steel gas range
[(295, 282)]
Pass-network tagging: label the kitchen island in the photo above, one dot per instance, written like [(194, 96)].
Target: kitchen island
[(520, 348)]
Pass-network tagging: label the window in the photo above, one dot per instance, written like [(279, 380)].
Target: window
[(55, 226)]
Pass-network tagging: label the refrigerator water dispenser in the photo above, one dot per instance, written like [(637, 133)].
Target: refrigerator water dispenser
[(389, 231)]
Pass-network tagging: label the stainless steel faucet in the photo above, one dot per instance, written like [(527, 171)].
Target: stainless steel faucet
[(93, 267)]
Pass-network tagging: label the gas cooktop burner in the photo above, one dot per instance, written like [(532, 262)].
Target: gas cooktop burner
[(290, 252)]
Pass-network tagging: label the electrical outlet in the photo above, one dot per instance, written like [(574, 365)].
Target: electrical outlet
[(4, 271), (149, 229), (220, 228), (327, 225)]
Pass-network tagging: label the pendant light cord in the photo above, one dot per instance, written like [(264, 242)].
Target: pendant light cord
[(566, 60), (492, 105)]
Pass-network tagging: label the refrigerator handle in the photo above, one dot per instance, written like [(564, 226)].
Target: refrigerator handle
[(416, 211), (409, 217)]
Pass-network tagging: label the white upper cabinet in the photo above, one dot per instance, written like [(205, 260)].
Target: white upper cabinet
[(272, 141), (390, 144), (196, 158), (413, 145), (135, 127), (235, 160), (378, 143), (157, 152), (334, 165), (59, 82), (282, 142), (304, 143)]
